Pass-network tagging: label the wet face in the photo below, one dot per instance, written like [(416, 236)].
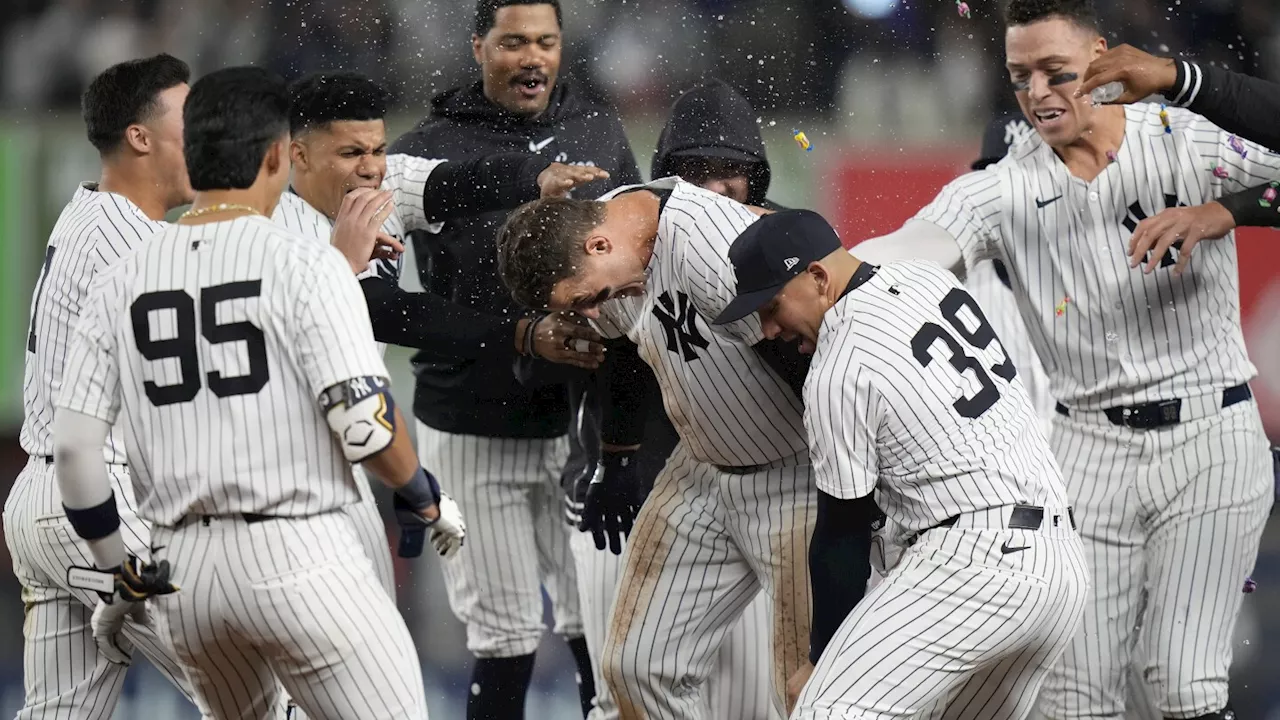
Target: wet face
[(334, 159), (603, 273), (719, 175), (164, 130), (520, 57), (1046, 60), (795, 313)]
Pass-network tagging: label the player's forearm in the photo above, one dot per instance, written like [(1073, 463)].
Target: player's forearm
[(915, 240), (1254, 207), (839, 564), (471, 187), (86, 490), (431, 323), (624, 396), (1238, 103), (397, 464)]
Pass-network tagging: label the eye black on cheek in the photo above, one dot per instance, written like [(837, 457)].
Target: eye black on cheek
[(1063, 78)]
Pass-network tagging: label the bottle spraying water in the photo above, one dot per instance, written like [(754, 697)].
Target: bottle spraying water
[(1107, 93)]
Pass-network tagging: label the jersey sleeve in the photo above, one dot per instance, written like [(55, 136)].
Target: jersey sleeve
[(1246, 162), (844, 412), (407, 179), (332, 333), (91, 378), (702, 238), (968, 209)]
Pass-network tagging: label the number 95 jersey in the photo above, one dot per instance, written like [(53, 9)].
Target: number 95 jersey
[(911, 395), (212, 344)]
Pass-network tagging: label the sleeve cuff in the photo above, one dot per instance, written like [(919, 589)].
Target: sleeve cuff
[(1186, 87)]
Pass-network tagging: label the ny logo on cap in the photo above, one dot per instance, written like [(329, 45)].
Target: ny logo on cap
[(791, 262)]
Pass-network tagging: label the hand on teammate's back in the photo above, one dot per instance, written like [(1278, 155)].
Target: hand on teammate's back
[(612, 499), (563, 337), (1180, 228), (1143, 74), (558, 179), (357, 231)]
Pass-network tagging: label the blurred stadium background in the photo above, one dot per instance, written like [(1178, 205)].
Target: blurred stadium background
[(892, 93)]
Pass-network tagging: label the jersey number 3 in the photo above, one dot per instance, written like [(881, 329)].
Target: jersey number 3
[(183, 345), (984, 335)]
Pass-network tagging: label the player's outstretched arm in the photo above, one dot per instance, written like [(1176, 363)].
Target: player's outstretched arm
[(915, 240)]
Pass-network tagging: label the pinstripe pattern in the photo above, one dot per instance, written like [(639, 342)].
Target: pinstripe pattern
[(705, 543), (957, 624), (1176, 515), (494, 581), (740, 684), (223, 455), (291, 598), (1125, 338)]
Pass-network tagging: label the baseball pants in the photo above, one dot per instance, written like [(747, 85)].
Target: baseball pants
[(739, 686), (1171, 519), (508, 490), (288, 599), (706, 542), (959, 628), (64, 676), (371, 531)]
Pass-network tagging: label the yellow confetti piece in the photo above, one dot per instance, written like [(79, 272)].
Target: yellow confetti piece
[(802, 141)]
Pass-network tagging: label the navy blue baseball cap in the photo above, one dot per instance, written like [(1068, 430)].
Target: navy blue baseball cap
[(1002, 132), (772, 251)]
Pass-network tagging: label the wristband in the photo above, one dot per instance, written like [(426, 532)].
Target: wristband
[(96, 522), (422, 491), (528, 336)]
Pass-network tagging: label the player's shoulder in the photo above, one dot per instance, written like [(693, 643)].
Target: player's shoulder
[(400, 165), (93, 216)]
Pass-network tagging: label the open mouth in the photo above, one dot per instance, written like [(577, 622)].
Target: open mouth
[(530, 85), (1048, 116)]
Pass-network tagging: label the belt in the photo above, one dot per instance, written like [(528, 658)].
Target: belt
[(48, 460), (1162, 413), (248, 518), (1023, 517), (743, 469)]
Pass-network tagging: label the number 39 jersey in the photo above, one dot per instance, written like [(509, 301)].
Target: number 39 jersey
[(212, 344), (911, 395)]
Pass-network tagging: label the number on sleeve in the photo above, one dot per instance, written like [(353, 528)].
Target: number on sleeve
[(980, 337), (183, 345)]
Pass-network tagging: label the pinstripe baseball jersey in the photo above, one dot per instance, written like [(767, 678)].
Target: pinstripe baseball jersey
[(729, 407), (1109, 335), (912, 396), (213, 344), (94, 230)]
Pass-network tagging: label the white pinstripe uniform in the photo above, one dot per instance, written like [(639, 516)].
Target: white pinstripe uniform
[(63, 673), (732, 511), (912, 396), (212, 344), (406, 177), (1174, 513)]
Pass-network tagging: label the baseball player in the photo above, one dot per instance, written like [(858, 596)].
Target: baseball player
[(730, 514), (1156, 430), (338, 145), (133, 116), (913, 403), (241, 363)]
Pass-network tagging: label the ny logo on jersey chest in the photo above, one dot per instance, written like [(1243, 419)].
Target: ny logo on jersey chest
[(679, 320), (1136, 215)]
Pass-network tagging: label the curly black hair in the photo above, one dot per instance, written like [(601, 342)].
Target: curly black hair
[(1025, 12)]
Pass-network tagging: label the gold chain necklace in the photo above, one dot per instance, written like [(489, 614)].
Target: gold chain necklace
[(220, 207)]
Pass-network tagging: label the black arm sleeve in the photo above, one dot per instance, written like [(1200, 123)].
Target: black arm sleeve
[(472, 187), (1238, 103), (624, 400), (429, 322), (839, 564), (1244, 207), (786, 359)]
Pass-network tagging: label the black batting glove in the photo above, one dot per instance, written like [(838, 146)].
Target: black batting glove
[(612, 499)]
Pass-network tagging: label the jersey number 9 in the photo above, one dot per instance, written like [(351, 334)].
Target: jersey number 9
[(183, 345), (981, 337)]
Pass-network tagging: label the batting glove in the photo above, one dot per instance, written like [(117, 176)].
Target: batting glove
[(448, 531), (612, 500), (131, 584)]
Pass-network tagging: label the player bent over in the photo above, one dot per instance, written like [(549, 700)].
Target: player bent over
[(240, 361), (911, 397)]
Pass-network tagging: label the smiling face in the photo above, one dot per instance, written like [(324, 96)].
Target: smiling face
[(1046, 60), (520, 57), (333, 159), (796, 311)]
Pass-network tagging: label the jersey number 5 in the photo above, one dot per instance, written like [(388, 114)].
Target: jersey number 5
[(984, 335), (183, 345)]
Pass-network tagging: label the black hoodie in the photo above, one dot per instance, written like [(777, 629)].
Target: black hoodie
[(713, 120), (482, 396)]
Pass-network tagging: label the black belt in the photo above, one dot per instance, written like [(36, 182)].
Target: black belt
[(48, 460), (249, 518), (1023, 517), (1162, 413), (742, 469)]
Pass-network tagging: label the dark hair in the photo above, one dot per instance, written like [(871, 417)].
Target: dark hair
[(232, 116), (487, 10), (126, 94), (539, 244), (1025, 12), (321, 98)]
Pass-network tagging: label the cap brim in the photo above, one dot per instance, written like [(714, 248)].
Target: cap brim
[(716, 152), (744, 305)]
